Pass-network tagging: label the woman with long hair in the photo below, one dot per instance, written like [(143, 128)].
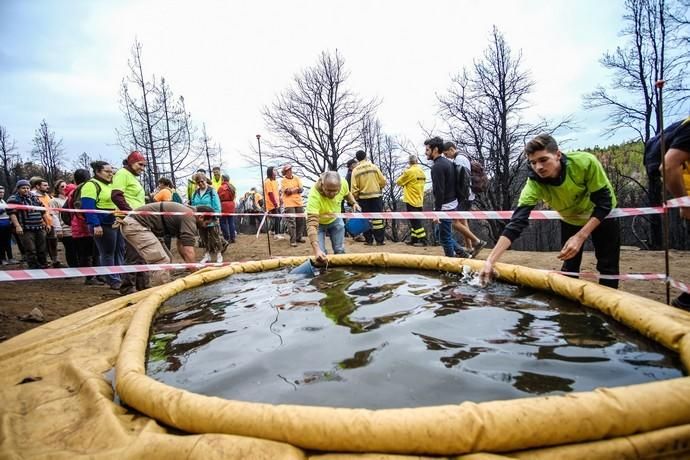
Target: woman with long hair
[(63, 230)]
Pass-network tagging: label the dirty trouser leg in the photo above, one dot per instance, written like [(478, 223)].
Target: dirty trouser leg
[(28, 244), (214, 240), (148, 247), (139, 280)]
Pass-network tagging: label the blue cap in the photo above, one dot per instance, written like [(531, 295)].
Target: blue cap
[(23, 182)]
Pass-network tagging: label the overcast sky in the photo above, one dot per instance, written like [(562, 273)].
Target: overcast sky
[(64, 61)]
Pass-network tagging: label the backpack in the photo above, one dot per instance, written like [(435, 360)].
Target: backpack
[(479, 179), (74, 201), (462, 182), (176, 197)]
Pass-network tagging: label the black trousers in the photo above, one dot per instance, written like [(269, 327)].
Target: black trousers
[(86, 252), (417, 230), (6, 242), (607, 249), (71, 255), (377, 225)]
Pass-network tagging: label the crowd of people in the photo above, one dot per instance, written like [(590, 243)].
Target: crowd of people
[(574, 184)]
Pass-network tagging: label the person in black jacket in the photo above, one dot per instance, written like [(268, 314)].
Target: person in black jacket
[(443, 182)]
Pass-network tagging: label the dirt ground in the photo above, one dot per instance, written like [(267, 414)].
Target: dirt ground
[(57, 298)]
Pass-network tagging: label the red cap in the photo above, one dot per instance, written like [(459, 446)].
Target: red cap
[(135, 157)]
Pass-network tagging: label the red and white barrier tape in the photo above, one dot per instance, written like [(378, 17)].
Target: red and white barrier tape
[(483, 215), (56, 273)]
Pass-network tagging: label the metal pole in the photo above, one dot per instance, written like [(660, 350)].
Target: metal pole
[(664, 218), (263, 191)]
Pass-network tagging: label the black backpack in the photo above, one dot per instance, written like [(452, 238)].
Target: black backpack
[(74, 201), (463, 182), (478, 180)]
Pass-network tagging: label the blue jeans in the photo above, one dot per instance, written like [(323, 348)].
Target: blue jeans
[(109, 250), (336, 231), (446, 237), (227, 226)]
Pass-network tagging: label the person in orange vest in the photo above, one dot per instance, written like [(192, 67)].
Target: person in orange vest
[(272, 202), (291, 186)]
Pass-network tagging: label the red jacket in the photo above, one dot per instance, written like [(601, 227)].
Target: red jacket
[(78, 223), (226, 193)]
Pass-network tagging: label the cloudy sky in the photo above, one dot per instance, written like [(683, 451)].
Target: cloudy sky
[(64, 60)]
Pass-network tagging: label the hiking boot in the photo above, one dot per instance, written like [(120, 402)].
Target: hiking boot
[(477, 248)]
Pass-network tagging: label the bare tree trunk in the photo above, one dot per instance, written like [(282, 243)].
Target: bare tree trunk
[(152, 149), (7, 147), (48, 151), (167, 129)]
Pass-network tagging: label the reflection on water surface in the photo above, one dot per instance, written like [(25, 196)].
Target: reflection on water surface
[(359, 337)]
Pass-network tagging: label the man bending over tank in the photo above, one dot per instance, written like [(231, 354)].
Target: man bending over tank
[(143, 232), (325, 199), (576, 186)]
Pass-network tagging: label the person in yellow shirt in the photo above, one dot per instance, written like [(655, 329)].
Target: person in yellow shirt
[(325, 199), (128, 194), (412, 182), (216, 178), (291, 187), (272, 201), (367, 188)]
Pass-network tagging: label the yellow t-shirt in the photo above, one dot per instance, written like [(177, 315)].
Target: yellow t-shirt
[(319, 204), (130, 186), (295, 199), (271, 186)]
